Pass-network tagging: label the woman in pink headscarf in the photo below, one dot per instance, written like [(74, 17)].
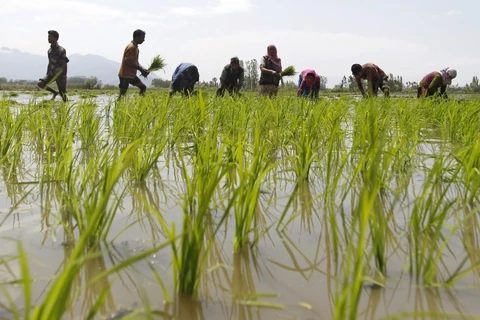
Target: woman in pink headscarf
[(270, 69), (436, 80)]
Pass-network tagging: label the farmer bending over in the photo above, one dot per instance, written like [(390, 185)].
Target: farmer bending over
[(184, 78), (375, 76), (308, 84), (231, 78), (434, 81)]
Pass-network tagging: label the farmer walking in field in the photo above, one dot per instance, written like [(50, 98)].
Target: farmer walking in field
[(270, 72), (375, 77), (436, 82), (308, 84), (128, 69), (231, 78), (184, 78), (56, 69)]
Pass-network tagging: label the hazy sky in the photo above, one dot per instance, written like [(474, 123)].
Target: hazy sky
[(407, 38)]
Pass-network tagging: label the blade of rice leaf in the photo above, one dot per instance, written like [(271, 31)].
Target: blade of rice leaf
[(55, 77)]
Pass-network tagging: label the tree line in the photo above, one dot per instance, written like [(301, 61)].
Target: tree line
[(252, 74)]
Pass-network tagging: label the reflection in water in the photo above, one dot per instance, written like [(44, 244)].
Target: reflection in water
[(186, 308), (51, 195), (90, 295), (243, 284), (144, 200), (304, 200), (471, 242)]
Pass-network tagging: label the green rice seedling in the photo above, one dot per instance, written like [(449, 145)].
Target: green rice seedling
[(146, 157), (252, 166), (304, 145), (158, 63), (11, 131), (347, 295), (201, 185), (89, 191), (429, 216), (137, 117), (151, 147), (88, 127), (60, 122), (469, 159)]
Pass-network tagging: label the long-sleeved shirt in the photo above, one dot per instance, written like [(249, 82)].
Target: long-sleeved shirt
[(130, 64), (232, 77), (370, 72), (57, 60), (185, 74), (432, 82)]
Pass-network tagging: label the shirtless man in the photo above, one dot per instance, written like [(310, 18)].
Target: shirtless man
[(375, 76)]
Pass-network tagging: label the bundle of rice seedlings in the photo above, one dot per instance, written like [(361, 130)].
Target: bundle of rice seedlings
[(158, 63), (288, 72)]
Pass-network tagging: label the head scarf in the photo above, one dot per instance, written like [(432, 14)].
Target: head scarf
[(304, 78), (276, 61), (445, 76)]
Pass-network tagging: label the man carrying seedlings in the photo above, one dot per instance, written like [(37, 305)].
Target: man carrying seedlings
[(231, 78), (56, 69), (308, 84), (375, 76), (184, 78), (434, 81), (128, 69)]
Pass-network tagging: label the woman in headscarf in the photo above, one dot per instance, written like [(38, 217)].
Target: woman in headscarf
[(434, 81), (308, 84), (270, 69)]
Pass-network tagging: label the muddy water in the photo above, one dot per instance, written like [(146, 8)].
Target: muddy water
[(293, 269)]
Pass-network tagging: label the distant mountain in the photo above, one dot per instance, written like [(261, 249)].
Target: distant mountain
[(18, 65)]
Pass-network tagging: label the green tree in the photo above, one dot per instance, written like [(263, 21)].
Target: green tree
[(92, 83), (160, 83), (323, 83), (251, 74), (395, 83), (474, 86)]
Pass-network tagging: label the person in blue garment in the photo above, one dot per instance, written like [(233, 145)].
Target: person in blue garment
[(308, 84), (184, 78)]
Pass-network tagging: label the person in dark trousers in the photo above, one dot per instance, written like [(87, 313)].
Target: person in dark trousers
[(231, 78), (56, 69), (375, 76), (130, 65), (184, 78), (436, 82)]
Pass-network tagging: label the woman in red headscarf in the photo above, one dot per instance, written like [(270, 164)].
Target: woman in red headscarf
[(270, 69)]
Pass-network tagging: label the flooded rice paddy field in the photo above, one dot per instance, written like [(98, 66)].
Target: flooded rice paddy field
[(239, 209)]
